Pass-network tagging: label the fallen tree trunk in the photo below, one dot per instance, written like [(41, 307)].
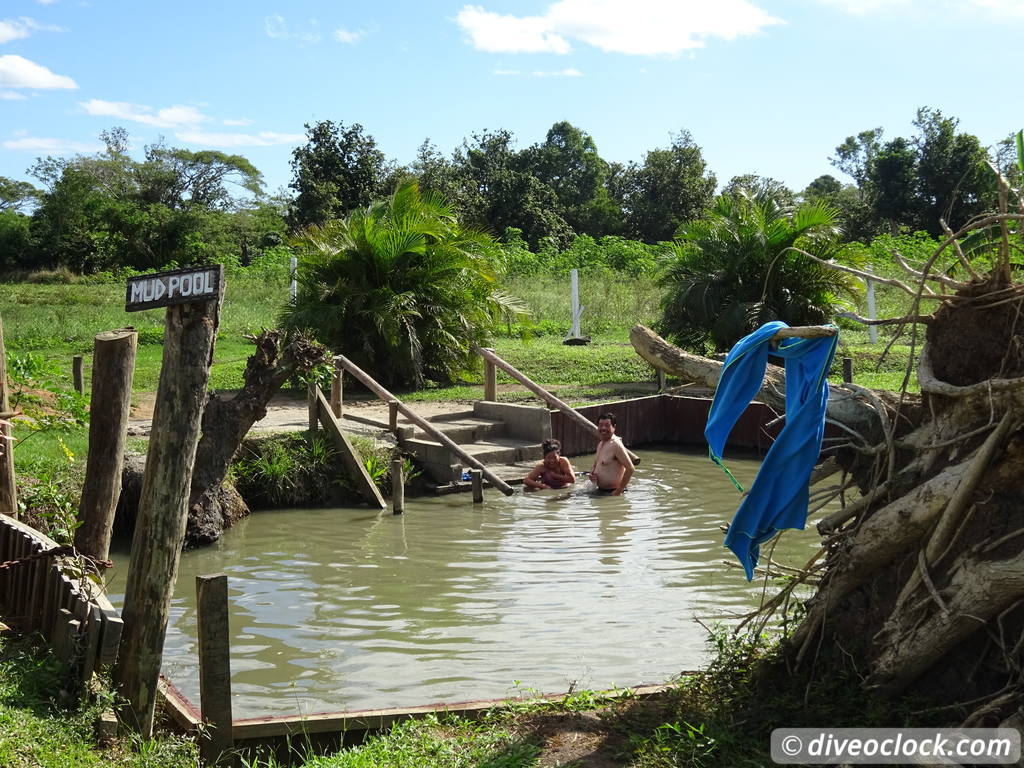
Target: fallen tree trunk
[(845, 407)]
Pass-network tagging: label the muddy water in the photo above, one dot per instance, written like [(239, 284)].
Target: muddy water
[(349, 609)]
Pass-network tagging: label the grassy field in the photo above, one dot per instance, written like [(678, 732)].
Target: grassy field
[(46, 325)]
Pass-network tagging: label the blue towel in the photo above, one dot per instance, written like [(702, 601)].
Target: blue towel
[(779, 496)]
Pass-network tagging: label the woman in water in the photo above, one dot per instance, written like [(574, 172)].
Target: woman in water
[(554, 471)]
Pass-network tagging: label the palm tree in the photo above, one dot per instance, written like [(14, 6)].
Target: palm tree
[(733, 270), (400, 287)]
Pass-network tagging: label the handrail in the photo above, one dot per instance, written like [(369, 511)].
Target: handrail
[(423, 424), (574, 415)]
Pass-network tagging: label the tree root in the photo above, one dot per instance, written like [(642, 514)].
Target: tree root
[(980, 590)]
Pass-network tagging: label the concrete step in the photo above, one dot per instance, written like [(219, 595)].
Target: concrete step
[(496, 450), (465, 430)]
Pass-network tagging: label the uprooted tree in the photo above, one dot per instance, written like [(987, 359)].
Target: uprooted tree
[(920, 578)]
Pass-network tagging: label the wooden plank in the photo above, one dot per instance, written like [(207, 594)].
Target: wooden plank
[(182, 711), (39, 567), (214, 666), (49, 600), (59, 637), (349, 456), (110, 640), (425, 425), (375, 719), (91, 644)]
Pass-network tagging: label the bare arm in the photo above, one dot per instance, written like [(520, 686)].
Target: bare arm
[(627, 464), (533, 480), (565, 471)]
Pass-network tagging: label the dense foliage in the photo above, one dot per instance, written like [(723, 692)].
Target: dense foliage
[(736, 269), (400, 287)]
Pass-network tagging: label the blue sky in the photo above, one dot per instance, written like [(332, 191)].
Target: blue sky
[(764, 86)]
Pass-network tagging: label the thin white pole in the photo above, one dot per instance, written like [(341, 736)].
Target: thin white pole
[(576, 309), (872, 330), (295, 268)]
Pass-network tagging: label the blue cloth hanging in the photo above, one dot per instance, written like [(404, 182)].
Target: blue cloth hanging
[(779, 496)]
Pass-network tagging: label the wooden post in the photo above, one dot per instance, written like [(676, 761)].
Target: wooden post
[(393, 415), (660, 376), (490, 379), (397, 487), (214, 667), (336, 391), (8, 490), (163, 506), (477, 478), (314, 421), (113, 364), (848, 370), (77, 377)]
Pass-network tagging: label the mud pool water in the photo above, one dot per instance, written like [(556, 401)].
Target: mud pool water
[(340, 609)]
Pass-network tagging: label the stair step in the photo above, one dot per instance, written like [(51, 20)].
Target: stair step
[(465, 430)]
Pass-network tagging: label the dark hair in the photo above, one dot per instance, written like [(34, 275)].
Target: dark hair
[(607, 415), (550, 445)]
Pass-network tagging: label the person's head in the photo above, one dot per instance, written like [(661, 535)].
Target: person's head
[(551, 449), (606, 425)]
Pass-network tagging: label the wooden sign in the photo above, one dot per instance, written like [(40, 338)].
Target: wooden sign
[(178, 286)]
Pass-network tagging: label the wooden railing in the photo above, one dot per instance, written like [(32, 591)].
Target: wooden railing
[(492, 361), (370, 383), (37, 596)]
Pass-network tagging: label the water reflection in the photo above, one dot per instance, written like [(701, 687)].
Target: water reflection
[(346, 609)]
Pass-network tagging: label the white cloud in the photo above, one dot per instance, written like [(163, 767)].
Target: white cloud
[(276, 26), (861, 7), (239, 122), (506, 72), (343, 35), (12, 96), (567, 72), (18, 72), (178, 116), (46, 2), (634, 27), (11, 29), (261, 139), (495, 33), (50, 146)]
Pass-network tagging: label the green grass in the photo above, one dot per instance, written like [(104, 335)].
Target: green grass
[(38, 730)]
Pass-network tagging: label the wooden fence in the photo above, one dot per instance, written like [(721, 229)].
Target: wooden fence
[(37, 595), (666, 419)]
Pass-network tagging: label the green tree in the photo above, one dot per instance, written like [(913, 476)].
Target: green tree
[(857, 221), (497, 190), (671, 187), (952, 181), (400, 287), (748, 183), (17, 195), (108, 210), (337, 170), (568, 162), (731, 271)]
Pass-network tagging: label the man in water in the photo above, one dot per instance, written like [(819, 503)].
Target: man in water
[(612, 465), (554, 471)]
